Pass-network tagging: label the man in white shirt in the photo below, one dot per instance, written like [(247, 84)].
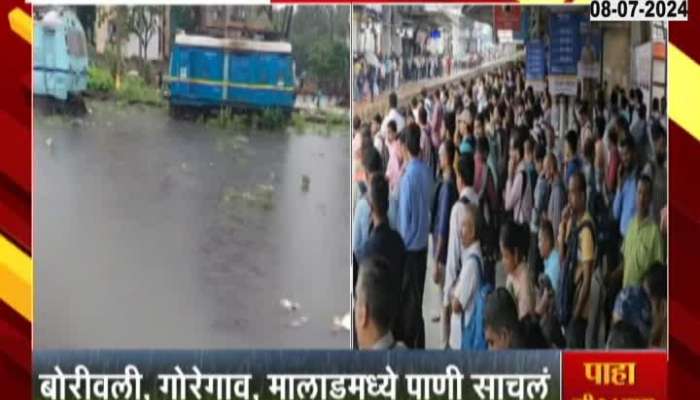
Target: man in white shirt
[(394, 115), (468, 282), (467, 195)]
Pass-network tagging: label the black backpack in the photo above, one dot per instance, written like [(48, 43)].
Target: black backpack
[(567, 279)]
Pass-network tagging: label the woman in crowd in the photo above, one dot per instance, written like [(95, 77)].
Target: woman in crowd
[(523, 161)]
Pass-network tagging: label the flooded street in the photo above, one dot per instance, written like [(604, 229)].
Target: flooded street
[(155, 233)]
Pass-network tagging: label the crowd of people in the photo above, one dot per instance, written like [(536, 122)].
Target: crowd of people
[(373, 76), (534, 239)]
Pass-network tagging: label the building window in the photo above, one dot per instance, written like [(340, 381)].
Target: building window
[(658, 31)]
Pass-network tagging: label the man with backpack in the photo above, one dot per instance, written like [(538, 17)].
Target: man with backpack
[(466, 281), (467, 195), (470, 289), (578, 248)]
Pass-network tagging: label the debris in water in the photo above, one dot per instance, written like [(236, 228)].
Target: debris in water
[(49, 142), (289, 305), (297, 323), (261, 197), (248, 196), (305, 182), (241, 139), (184, 166), (266, 188), (211, 164), (342, 323)]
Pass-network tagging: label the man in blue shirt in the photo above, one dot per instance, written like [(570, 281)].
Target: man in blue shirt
[(372, 163), (625, 205), (413, 224)]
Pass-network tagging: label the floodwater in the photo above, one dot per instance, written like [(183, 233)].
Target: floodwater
[(151, 232)]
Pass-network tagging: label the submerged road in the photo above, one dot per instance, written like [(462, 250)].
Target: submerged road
[(156, 233)]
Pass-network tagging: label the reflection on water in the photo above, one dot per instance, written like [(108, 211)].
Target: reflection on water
[(155, 233)]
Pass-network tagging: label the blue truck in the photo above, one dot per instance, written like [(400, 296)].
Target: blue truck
[(243, 74)]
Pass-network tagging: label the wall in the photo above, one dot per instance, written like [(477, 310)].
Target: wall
[(617, 55)]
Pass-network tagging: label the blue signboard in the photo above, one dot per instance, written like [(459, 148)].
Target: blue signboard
[(535, 60), (565, 43), (593, 37)]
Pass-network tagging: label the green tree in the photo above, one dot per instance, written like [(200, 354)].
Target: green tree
[(329, 65), (185, 18), (319, 44)]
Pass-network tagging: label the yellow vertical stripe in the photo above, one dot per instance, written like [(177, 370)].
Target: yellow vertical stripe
[(684, 90), (16, 277)]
